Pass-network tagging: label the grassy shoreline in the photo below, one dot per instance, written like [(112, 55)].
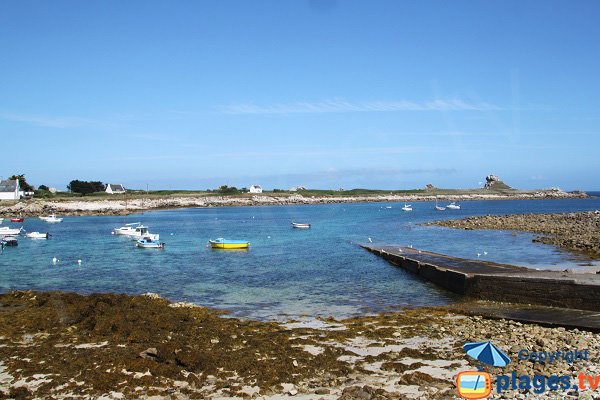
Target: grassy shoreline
[(125, 204)]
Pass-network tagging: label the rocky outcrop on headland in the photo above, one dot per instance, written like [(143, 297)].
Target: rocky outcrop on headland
[(578, 232), (124, 206)]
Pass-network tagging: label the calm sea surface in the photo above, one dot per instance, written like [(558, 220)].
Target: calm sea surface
[(287, 273)]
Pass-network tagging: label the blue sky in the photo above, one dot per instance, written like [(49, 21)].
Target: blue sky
[(322, 93)]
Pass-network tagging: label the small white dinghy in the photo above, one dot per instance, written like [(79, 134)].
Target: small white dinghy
[(148, 243), (453, 206), (407, 207), (37, 235), (300, 226)]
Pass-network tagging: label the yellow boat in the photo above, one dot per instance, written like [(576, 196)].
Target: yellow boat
[(228, 244)]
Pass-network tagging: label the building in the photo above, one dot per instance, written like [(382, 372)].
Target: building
[(114, 189), (255, 189), (9, 190)]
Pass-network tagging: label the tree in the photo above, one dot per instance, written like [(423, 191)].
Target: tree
[(43, 187), (26, 187), (85, 187)]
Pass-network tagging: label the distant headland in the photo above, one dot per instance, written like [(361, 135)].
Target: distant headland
[(125, 201)]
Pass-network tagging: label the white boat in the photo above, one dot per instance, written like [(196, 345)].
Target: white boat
[(138, 232), (127, 229), (37, 235), (438, 208), (1, 220), (148, 243), (52, 218), (9, 241), (453, 206), (300, 226), (6, 231), (407, 207)]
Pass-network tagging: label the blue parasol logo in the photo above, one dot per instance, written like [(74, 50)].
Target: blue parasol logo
[(487, 353)]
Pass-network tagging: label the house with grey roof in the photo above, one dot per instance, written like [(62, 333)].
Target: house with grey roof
[(9, 190), (114, 189)]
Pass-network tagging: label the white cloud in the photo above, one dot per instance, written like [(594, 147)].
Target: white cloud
[(344, 106)]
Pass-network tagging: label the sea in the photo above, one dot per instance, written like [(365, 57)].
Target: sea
[(286, 273)]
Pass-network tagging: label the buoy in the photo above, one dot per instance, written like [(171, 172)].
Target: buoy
[(79, 262)]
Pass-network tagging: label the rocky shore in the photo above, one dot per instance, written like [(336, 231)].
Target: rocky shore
[(578, 232), (124, 206), (64, 345)]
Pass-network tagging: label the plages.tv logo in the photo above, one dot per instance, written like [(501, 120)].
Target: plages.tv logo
[(478, 384)]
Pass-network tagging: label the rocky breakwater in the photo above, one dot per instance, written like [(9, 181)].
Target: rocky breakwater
[(577, 232)]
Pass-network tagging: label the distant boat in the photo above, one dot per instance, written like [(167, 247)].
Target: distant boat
[(51, 219), (20, 219), (221, 243), (453, 206), (10, 241), (388, 206), (300, 226), (148, 243), (37, 235), (407, 207), (6, 231), (127, 229), (1, 220), (438, 208)]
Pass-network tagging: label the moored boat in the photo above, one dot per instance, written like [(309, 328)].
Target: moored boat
[(37, 235), (453, 206), (6, 231), (1, 220), (221, 243), (10, 241), (136, 232), (19, 219), (438, 208), (300, 226), (407, 207), (148, 243), (52, 218)]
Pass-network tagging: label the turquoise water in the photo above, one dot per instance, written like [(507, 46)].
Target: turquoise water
[(287, 273)]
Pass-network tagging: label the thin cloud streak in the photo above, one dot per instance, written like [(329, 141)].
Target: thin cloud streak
[(343, 106), (53, 122)]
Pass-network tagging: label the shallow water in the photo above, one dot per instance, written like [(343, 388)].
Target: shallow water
[(287, 273)]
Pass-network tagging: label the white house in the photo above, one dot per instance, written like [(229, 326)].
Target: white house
[(9, 190), (114, 189), (255, 189)]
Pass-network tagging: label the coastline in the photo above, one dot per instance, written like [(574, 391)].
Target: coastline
[(576, 232), (122, 205), (118, 346)]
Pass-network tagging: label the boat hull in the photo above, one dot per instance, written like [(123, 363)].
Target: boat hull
[(215, 244), (300, 226)]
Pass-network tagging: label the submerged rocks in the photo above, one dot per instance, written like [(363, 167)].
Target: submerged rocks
[(575, 231)]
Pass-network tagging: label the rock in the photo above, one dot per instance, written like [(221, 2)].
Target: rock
[(150, 353), (322, 391)]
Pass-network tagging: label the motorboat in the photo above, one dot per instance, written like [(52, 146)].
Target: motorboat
[(300, 226), (136, 232), (19, 219), (10, 241), (52, 218), (453, 206), (6, 231), (407, 207), (148, 243), (221, 243), (37, 235)]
